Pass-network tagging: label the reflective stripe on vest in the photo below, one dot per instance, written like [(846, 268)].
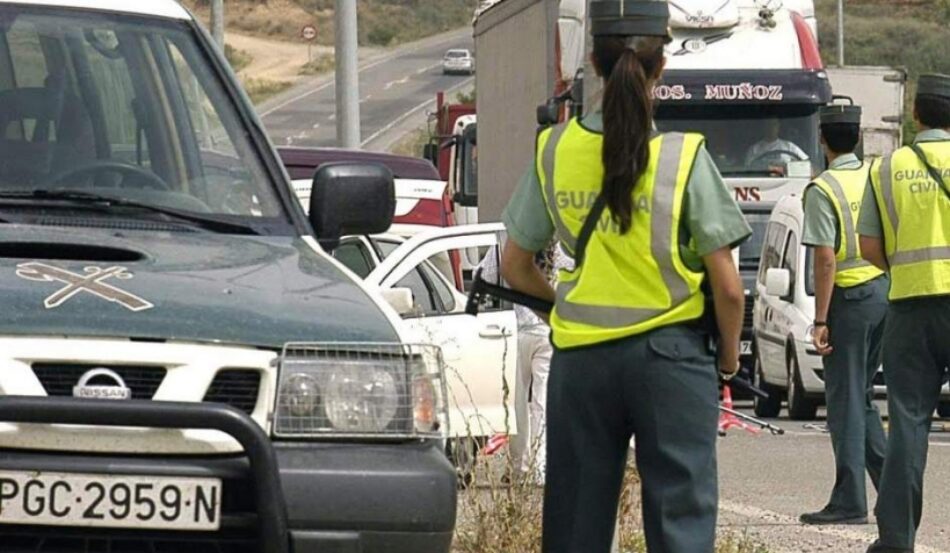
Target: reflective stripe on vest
[(583, 313), (845, 188), (915, 216)]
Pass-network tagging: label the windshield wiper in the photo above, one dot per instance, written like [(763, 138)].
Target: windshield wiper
[(80, 197)]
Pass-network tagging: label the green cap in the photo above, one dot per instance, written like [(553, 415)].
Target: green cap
[(630, 18), (838, 114), (934, 85)]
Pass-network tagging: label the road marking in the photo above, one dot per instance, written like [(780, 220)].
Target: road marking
[(316, 126), (391, 84), (750, 511), (366, 98), (429, 68), (332, 117), (392, 124), (395, 54)]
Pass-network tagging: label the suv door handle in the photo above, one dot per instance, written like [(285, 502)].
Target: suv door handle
[(494, 332)]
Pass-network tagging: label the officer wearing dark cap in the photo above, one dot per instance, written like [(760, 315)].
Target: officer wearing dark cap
[(647, 218), (905, 230), (850, 305)]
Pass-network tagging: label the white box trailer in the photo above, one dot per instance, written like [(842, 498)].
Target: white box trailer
[(880, 92)]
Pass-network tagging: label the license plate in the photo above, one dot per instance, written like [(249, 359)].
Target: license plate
[(94, 500), (745, 347)]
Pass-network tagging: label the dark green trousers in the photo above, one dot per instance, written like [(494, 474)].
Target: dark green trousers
[(916, 357), (660, 387), (856, 325)]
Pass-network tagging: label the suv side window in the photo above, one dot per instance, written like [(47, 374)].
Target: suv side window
[(423, 297), (442, 290), (790, 258)]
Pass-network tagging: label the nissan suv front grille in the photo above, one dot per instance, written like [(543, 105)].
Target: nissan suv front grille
[(58, 379), (238, 388)]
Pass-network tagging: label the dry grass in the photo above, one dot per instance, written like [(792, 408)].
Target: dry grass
[(322, 63), (412, 143), (259, 90)]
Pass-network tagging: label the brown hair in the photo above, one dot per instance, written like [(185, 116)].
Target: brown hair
[(628, 65)]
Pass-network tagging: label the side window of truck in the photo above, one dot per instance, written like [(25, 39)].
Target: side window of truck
[(353, 256)]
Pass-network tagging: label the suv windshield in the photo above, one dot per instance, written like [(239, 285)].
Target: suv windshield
[(127, 108), (750, 140)]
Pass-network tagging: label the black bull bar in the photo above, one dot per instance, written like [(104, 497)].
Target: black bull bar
[(271, 508)]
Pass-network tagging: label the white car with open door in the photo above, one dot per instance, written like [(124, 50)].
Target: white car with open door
[(480, 351)]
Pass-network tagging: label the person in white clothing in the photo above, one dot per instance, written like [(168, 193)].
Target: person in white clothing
[(527, 448), (773, 148)]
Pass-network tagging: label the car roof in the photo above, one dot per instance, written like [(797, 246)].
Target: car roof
[(462, 50), (301, 163), (159, 8)]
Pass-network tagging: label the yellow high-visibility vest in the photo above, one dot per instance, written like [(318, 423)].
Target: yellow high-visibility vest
[(631, 283), (845, 188), (915, 214)]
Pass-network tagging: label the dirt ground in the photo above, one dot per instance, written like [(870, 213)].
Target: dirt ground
[(277, 60)]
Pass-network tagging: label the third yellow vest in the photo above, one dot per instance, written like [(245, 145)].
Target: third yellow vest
[(915, 215), (629, 283), (845, 188)]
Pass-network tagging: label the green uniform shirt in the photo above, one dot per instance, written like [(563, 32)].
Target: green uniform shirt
[(821, 219), (869, 222), (712, 218)]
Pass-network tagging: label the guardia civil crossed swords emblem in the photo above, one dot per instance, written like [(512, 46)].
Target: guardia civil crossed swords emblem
[(91, 281)]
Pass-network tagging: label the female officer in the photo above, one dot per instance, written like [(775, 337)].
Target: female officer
[(630, 358)]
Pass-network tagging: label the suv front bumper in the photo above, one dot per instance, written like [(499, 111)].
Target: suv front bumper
[(276, 498)]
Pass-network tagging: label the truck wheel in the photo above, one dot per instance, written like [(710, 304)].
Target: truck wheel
[(463, 452), (943, 409), (765, 408), (800, 408)]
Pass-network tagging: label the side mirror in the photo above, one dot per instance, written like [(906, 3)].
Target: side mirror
[(351, 198), (400, 299), (430, 152), (778, 283)]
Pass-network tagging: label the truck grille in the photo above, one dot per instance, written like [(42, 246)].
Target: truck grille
[(238, 388), (58, 379)]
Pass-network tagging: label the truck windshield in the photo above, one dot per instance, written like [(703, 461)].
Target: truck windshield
[(123, 107), (750, 140)]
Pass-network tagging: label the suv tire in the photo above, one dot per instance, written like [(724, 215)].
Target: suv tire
[(943, 409), (463, 454), (765, 408), (800, 407)]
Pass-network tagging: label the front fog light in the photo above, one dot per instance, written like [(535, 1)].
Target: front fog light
[(301, 395), (361, 399)]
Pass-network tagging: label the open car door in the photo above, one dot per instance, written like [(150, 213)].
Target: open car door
[(481, 351)]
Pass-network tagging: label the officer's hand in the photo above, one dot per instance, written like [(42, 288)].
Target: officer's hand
[(728, 365), (820, 337)]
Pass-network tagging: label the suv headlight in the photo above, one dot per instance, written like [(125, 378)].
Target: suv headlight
[(395, 390)]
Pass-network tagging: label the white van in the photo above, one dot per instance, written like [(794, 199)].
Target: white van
[(786, 362)]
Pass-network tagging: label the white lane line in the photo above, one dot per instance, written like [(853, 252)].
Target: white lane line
[(391, 84), (366, 98), (423, 44), (422, 70), (316, 126), (332, 117), (392, 124), (840, 532)]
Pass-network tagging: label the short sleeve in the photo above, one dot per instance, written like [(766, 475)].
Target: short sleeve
[(526, 217), (869, 221), (714, 219), (821, 221)]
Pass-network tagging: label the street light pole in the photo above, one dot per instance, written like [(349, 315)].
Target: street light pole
[(217, 22), (347, 76), (840, 33)]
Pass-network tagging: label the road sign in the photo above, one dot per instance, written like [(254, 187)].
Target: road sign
[(309, 32)]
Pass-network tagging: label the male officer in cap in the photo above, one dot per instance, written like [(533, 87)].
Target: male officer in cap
[(905, 229), (850, 305)]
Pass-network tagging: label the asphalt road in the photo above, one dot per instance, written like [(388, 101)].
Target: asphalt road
[(395, 87), (766, 482)]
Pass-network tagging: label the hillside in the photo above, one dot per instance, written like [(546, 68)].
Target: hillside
[(914, 34), (382, 22)]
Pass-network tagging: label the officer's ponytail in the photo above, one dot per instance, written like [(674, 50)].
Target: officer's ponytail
[(629, 65)]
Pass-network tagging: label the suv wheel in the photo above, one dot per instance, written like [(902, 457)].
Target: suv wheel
[(800, 408), (767, 408), (943, 409)]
